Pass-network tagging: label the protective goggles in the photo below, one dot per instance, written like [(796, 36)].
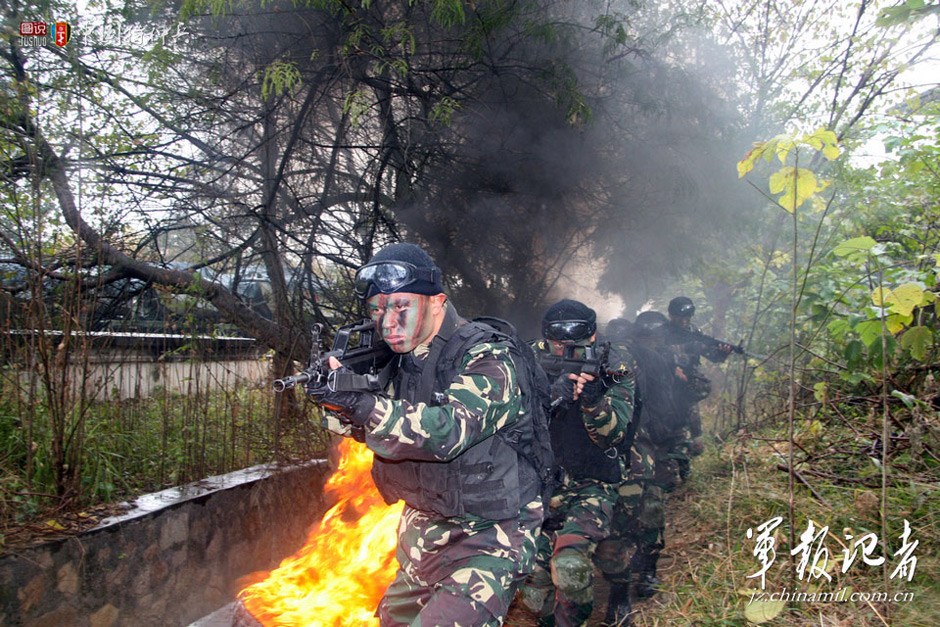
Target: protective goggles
[(685, 311), (391, 276), (652, 325), (568, 330)]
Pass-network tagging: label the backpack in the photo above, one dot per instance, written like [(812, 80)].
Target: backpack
[(663, 419), (532, 444)]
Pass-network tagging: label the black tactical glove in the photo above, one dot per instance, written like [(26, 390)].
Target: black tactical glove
[(592, 392), (353, 407), (563, 388)]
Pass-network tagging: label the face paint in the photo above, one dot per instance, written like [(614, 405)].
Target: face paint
[(562, 348), (557, 348), (404, 320)]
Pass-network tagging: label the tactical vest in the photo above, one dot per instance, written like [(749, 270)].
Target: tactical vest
[(574, 450), (491, 479)]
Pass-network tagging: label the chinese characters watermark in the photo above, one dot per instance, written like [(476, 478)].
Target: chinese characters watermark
[(35, 33), (814, 555), (106, 34)]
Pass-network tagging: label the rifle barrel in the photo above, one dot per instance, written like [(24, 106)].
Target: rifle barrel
[(288, 382)]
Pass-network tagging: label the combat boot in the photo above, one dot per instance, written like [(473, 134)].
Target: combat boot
[(618, 605), (647, 585)]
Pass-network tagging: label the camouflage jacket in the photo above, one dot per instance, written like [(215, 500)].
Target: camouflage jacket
[(443, 454)]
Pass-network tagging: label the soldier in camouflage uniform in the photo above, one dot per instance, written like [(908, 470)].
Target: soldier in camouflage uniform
[(640, 517), (473, 507), (591, 418), (694, 386)]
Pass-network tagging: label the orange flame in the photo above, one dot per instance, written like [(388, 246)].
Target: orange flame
[(339, 576)]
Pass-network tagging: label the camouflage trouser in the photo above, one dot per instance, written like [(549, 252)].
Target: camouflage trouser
[(639, 517), (459, 572), (562, 582), (679, 461), (681, 451)]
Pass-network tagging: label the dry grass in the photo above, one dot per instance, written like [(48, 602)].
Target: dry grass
[(708, 558)]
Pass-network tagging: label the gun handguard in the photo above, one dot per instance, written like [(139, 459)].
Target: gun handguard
[(593, 362), (357, 347), (735, 348)]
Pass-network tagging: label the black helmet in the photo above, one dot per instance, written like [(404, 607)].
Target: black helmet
[(618, 328), (681, 307), (569, 320), (649, 323)]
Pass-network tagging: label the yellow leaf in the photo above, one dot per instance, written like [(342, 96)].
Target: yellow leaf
[(797, 185), (896, 323), (821, 392), (762, 611), (778, 180), (826, 141), (904, 298), (784, 144), (54, 524), (780, 259), (746, 164), (828, 137), (879, 296)]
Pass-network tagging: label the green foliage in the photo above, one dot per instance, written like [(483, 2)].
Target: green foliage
[(872, 301), (889, 276), (356, 105), (907, 12), (443, 111), (448, 13), (134, 447), (280, 77)]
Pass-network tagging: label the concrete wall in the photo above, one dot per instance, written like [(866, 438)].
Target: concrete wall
[(175, 558), (142, 378), (103, 365)]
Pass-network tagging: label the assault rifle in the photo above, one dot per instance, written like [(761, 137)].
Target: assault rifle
[(356, 347), (593, 361), (698, 336)]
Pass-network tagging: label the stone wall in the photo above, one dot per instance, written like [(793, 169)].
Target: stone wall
[(175, 558)]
